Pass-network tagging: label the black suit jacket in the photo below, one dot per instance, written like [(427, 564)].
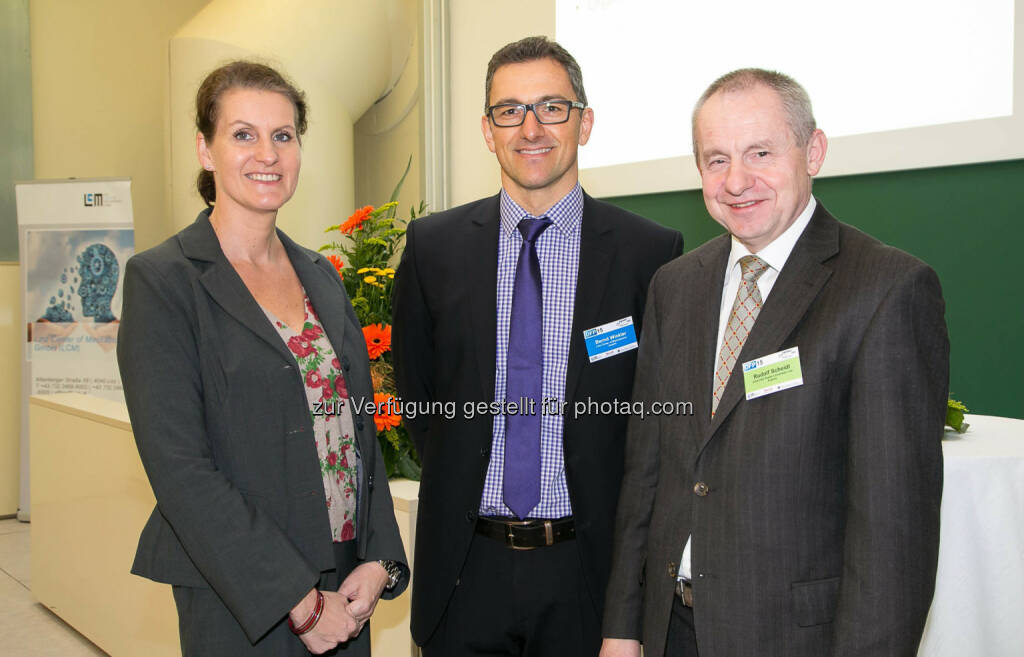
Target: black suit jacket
[(817, 532), (220, 416), (444, 347)]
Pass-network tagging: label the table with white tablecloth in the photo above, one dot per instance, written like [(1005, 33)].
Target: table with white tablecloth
[(978, 610)]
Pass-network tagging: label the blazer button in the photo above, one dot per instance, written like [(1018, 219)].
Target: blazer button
[(700, 488), (369, 482), (470, 516), (359, 423)]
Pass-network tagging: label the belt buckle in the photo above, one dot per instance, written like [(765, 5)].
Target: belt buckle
[(510, 535)]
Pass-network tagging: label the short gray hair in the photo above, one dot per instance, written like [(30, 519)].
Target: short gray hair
[(795, 101), (531, 49)]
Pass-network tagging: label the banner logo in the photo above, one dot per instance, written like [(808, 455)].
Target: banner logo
[(93, 200)]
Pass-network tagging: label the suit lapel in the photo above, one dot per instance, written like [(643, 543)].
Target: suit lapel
[(799, 282), (480, 258), (222, 282), (591, 285), (323, 293), (706, 326), (328, 298)]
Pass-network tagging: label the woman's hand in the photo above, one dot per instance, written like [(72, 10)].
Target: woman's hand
[(336, 624), (362, 588), (620, 648)]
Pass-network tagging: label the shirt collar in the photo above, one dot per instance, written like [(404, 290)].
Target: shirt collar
[(565, 215), (777, 253)]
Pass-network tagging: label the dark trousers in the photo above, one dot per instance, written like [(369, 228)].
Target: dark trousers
[(682, 638), (208, 629), (518, 603)]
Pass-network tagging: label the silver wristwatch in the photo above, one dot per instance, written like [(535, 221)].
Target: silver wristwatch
[(393, 570)]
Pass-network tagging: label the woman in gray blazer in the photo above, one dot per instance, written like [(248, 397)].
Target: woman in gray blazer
[(240, 356)]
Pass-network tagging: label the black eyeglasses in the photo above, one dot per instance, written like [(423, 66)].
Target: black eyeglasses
[(510, 115)]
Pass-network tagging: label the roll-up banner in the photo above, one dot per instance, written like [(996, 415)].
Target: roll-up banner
[(74, 238)]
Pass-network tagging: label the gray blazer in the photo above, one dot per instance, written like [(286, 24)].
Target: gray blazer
[(220, 416), (816, 529)]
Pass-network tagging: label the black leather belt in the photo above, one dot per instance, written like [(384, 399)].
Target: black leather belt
[(526, 534), (684, 591)]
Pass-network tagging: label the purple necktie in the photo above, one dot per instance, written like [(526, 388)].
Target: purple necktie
[(525, 376)]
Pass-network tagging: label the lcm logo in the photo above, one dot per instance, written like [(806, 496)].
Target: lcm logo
[(93, 200)]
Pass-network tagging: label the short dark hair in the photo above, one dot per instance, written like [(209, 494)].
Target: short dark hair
[(528, 50), (795, 100), (235, 75)]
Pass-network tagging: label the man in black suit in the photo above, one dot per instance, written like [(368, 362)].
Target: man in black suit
[(796, 514), (492, 300)]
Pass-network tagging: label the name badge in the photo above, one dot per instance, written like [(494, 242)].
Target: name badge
[(610, 339), (772, 373)]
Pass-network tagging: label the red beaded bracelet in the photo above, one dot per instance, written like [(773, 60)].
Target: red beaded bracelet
[(311, 622)]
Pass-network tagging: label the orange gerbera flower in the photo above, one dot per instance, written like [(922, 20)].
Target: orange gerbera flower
[(378, 339), (338, 264), (356, 220), (386, 411)]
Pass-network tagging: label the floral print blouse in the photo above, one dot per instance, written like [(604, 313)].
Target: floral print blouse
[(331, 413)]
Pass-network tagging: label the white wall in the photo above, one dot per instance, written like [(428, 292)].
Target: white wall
[(389, 133), (99, 99), (337, 51), (12, 336), (478, 29)]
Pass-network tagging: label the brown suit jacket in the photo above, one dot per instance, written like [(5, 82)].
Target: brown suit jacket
[(817, 533)]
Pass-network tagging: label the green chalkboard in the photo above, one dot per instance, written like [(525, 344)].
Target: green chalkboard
[(967, 222)]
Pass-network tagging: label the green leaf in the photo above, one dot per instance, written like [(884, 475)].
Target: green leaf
[(407, 467), (390, 456), (398, 187)]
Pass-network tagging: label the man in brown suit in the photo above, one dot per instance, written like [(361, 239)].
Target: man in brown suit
[(796, 513)]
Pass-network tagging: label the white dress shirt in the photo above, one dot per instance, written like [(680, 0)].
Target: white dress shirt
[(775, 256)]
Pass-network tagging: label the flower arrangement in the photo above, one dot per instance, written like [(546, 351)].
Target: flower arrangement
[(955, 415), (363, 261)]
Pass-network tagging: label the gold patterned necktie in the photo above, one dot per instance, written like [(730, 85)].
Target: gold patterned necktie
[(744, 312)]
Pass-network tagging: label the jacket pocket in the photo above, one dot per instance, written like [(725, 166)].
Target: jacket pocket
[(814, 602)]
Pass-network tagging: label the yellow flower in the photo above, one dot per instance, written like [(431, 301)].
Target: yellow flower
[(391, 275), (388, 270), (370, 279), (363, 270)]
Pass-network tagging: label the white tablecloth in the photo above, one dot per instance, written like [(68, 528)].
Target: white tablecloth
[(978, 608)]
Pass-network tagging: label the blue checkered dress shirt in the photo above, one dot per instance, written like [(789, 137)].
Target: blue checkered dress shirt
[(558, 249)]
